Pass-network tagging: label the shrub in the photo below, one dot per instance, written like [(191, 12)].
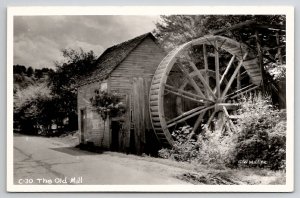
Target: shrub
[(208, 148), (107, 104), (30, 107), (262, 135), (185, 147), (258, 142)]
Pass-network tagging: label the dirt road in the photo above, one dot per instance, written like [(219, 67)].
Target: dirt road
[(39, 160)]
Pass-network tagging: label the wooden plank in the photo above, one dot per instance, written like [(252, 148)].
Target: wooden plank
[(155, 114), (159, 76), (136, 109), (237, 95), (142, 120), (186, 116), (153, 97), (157, 81), (211, 118), (260, 59), (198, 121), (191, 80), (154, 92), (147, 83), (156, 119), (217, 69), (195, 96), (279, 55), (126, 125), (242, 89), (139, 114), (205, 62), (154, 103), (228, 117), (227, 69), (251, 62), (154, 108), (156, 86), (233, 76), (156, 124), (202, 79), (238, 80), (183, 96)]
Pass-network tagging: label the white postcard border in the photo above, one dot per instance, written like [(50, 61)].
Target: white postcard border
[(154, 10)]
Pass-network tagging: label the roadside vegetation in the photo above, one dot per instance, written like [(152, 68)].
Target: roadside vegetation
[(259, 139), (45, 100), (45, 103)]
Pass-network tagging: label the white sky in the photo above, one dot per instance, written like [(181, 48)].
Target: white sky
[(38, 40)]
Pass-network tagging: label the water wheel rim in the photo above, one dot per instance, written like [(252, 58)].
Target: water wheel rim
[(159, 81)]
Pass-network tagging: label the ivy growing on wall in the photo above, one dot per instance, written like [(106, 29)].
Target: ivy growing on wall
[(107, 104)]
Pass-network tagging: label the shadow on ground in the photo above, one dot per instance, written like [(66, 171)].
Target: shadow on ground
[(73, 151)]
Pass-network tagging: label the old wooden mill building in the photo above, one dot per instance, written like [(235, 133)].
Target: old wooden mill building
[(128, 69), (196, 83)]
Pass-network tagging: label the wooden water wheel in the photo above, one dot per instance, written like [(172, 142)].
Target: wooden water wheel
[(198, 81)]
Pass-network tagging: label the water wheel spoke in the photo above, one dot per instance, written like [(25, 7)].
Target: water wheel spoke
[(198, 121), (185, 94), (230, 106), (223, 124), (187, 115), (202, 90), (211, 118), (227, 69), (228, 118), (217, 69), (191, 80), (230, 63), (242, 91), (200, 76), (205, 62), (233, 76)]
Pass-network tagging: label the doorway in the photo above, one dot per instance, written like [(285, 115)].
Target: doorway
[(115, 129), (82, 123)]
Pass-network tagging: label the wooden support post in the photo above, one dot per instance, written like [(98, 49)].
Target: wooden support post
[(211, 118), (233, 76), (279, 55), (227, 69), (238, 80), (260, 59), (228, 117), (198, 121), (126, 126), (139, 114), (205, 63), (217, 69)]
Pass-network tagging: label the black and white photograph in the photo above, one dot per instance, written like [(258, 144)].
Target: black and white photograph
[(126, 99)]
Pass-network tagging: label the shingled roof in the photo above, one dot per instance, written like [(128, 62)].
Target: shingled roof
[(111, 58)]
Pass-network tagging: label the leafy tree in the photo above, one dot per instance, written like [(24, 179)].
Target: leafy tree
[(29, 71), (19, 69), (63, 82), (31, 107), (174, 30)]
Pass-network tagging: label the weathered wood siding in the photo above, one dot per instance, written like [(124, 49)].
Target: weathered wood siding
[(95, 130), (140, 63), (139, 67)]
